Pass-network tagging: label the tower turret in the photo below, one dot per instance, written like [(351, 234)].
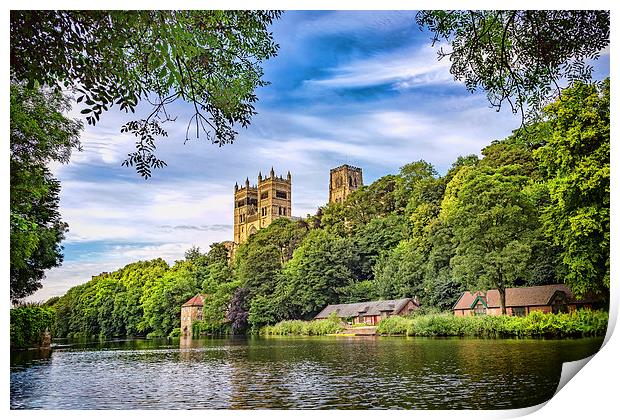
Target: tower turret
[(343, 180)]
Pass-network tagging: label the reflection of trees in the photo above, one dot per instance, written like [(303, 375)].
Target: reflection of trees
[(27, 357)]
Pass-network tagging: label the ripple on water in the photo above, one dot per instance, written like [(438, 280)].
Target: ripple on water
[(319, 372)]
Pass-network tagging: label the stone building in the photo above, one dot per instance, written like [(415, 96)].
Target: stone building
[(343, 180), (258, 205), (191, 311)]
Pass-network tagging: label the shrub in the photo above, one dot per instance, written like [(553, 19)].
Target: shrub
[(536, 324), (330, 325), (176, 332), (28, 325)]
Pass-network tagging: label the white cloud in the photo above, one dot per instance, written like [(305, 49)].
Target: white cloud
[(403, 69)]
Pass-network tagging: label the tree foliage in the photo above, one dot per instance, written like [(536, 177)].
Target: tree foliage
[(492, 219), (519, 56), (576, 158), (210, 59), (28, 325), (40, 134)]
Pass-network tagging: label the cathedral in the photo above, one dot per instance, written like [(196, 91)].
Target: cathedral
[(256, 206)]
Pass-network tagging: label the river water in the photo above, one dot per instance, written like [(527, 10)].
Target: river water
[(295, 372)]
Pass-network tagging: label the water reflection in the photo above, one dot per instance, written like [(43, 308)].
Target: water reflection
[(297, 372)]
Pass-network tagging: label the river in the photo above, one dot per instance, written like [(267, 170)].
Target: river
[(294, 372)]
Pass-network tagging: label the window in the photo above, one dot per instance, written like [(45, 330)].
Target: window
[(479, 309), (281, 194), (264, 194), (240, 203), (263, 211), (518, 311)]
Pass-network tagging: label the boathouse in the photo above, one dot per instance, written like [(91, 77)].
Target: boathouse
[(520, 301), (370, 312), (191, 311)]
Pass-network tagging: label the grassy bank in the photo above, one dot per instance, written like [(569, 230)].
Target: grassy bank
[(578, 324), (582, 323)]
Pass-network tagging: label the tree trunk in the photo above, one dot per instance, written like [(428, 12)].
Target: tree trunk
[(502, 299)]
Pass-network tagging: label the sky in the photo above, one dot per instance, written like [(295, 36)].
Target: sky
[(363, 88)]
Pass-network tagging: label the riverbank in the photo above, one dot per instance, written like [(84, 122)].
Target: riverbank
[(582, 323)]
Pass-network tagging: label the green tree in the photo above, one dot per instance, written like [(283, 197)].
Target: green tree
[(210, 59), (492, 219), (320, 267), (40, 134), (519, 56), (162, 301), (577, 162), (400, 272)]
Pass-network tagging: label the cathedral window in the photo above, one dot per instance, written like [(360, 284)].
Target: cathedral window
[(264, 194), (281, 194)]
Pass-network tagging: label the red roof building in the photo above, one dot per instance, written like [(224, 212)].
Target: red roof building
[(522, 300)]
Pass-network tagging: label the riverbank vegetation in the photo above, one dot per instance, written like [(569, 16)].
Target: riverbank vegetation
[(534, 209), (581, 323), (29, 324), (331, 325)]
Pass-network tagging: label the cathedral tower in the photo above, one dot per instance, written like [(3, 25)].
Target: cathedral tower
[(259, 205), (343, 180)]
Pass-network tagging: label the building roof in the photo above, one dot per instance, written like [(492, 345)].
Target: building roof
[(345, 310), (197, 300), (518, 296)]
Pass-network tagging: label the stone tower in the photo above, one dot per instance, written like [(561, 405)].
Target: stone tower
[(258, 205), (343, 180)]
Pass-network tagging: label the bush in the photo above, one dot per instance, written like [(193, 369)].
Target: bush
[(581, 323), (330, 325), (29, 324), (205, 327), (176, 332)]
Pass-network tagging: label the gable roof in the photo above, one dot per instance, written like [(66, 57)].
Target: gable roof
[(345, 310), (197, 300), (516, 296)]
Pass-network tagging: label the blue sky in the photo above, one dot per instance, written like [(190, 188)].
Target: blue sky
[(363, 88)]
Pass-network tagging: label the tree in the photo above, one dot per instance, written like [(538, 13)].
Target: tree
[(519, 56), (162, 301), (399, 273), (238, 309), (40, 134), (211, 59), (492, 219), (320, 267), (576, 159)]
